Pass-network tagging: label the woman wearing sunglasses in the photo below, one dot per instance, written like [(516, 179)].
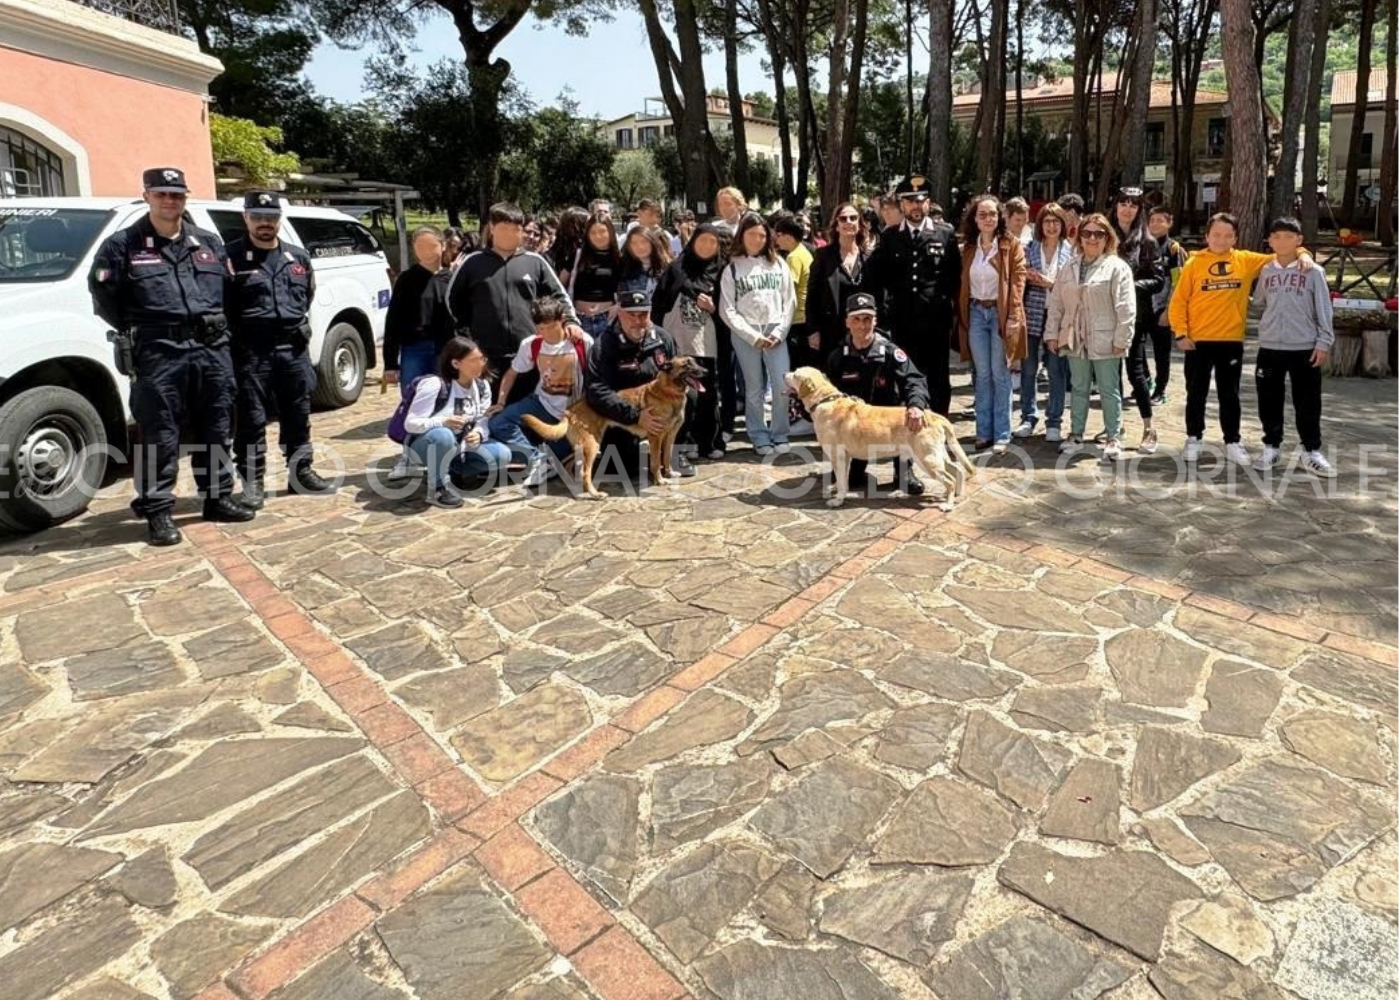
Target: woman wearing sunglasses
[(1090, 322), (837, 273)]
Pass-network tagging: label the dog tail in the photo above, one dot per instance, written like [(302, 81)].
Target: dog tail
[(955, 449), (549, 432)]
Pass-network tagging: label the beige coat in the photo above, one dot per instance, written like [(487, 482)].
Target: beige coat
[(1091, 320)]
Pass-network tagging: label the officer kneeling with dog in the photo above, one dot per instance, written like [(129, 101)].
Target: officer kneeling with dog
[(160, 284), (870, 367), (627, 354), (269, 305)]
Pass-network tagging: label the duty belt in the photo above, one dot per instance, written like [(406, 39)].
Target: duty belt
[(206, 329)]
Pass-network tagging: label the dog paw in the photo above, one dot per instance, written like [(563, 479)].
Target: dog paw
[(946, 506), (836, 501)]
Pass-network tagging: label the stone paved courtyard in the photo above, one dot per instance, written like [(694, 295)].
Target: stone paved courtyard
[(1064, 742)]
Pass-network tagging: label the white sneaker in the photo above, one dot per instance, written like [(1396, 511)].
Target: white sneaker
[(1070, 446), (782, 449), (537, 471), (1192, 451), (1112, 450), (1316, 463), (1237, 453), (727, 437), (763, 449), (716, 455), (800, 427), (1267, 459), (405, 469), (1052, 435), (1025, 430)]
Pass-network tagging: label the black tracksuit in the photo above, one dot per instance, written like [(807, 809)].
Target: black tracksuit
[(881, 375), (616, 362)]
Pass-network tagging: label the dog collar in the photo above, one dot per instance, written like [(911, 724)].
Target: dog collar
[(826, 399)]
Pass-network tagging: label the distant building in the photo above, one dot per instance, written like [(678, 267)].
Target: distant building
[(643, 128), (92, 93), (1344, 97), (1052, 102)]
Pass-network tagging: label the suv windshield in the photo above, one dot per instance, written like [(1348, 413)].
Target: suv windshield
[(45, 244)]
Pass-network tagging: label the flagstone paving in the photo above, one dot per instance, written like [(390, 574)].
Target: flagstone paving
[(1063, 742)]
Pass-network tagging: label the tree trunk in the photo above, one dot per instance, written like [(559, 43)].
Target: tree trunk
[(1312, 120), (736, 96), (686, 104), (852, 111), (830, 179), (1020, 106), (1079, 121), (1364, 42), (790, 200), (1296, 91), (993, 101), (1385, 227), (486, 78), (1247, 144), (1189, 40), (940, 99), (1119, 110), (808, 137), (1141, 92)]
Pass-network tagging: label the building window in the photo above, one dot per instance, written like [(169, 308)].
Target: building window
[(624, 138), (647, 135), (335, 238), (1215, 137), (27, 169), (1367, 139), (1155, 142), (668, 131)]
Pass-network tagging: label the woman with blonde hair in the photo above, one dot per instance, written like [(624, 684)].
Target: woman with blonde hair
[(991, 315), (1090, 322)]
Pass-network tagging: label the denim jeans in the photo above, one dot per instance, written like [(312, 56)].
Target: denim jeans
[(596, 325), (1058, 367), (506, 428), (1030, 368), (1083, 373), (415, 360), (991, 399), (753, 363), (437, 449)]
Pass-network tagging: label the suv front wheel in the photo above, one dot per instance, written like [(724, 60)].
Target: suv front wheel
[(341, 373), (53, 455)]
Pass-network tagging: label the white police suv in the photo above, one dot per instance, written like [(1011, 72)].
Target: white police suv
[(63, 404)]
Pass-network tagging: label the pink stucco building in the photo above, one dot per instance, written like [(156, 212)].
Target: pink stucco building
[(89, 98)]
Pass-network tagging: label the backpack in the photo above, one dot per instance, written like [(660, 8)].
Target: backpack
[(396, 430), (579, 349)]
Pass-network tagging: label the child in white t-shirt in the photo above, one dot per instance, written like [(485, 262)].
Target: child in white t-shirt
[(560, 362)]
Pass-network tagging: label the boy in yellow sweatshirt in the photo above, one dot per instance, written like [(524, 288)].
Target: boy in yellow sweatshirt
[(1207, 312)]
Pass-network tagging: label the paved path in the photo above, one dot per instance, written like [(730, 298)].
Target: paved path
[(1058, 743)]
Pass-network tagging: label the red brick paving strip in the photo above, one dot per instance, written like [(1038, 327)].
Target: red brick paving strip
[(586, 752), (649, 708), (513, 858), (620, 969), (487, 820), (569, 916), (301, 949), (388, 889)]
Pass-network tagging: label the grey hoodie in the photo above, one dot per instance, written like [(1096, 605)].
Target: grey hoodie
[(1297, 308)]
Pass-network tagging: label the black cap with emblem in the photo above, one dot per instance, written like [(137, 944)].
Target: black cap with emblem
[(913, 186), (634, 300), (861, 304), (167, 179), (262, 203)]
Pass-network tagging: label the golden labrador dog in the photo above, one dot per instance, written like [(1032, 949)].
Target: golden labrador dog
[(663, 396), (848, 428)]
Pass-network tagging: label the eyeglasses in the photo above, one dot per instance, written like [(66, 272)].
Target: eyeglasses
[(1093, 234)]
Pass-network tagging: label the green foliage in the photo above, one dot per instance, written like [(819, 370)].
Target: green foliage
[(555, 157), (633, 176), (250, 145), (263, 44), (763, 104)]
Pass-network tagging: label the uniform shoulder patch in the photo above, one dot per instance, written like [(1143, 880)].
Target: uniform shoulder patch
[(900, 356)]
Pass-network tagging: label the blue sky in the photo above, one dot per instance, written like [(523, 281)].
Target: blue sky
[(610, 73)]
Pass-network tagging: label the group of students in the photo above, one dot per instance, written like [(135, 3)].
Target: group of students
[(1104, 292), (1081, 295)]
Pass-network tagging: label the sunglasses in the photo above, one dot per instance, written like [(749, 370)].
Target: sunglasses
[(848, 218), (1093, 234)]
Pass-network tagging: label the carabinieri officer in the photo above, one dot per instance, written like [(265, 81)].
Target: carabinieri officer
[(161, 281), (917, 268), (871, 368), (268, 306)]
